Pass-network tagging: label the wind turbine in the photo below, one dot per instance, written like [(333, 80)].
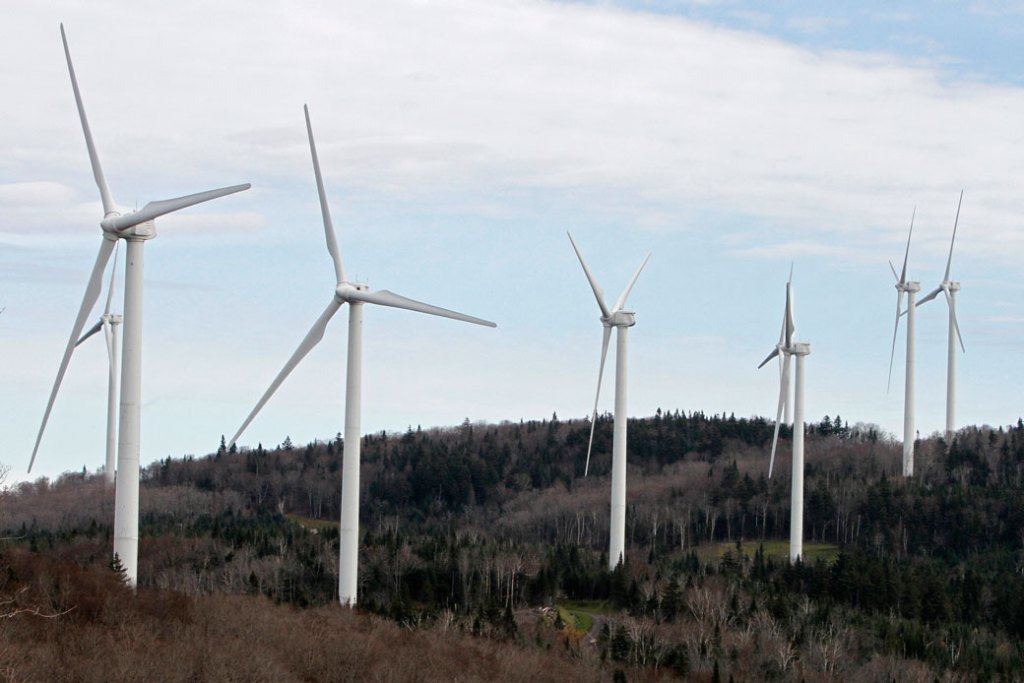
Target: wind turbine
[(950, 288), (910, 289), (786, 348), (621, 320), (355, 295), (109, 323), (135, 227)]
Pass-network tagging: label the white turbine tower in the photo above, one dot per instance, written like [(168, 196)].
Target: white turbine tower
[(355, 295), (910, 289), (786, 348), (135, 227), (950, 288), (109, 323), (621, 320)]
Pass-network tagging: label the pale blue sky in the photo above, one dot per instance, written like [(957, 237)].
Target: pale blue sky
[(459, 140), (975, 39)]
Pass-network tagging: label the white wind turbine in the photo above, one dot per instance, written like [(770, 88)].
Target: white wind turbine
[(135, 227), (109, 322), (950, 288), (910, 289), (355, 295), (621, 320), (786, 348)]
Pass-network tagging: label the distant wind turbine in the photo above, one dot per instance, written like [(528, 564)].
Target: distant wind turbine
[(621, 320), (109, 323), (910, 289), (355, 295), (135, 227), (786, 348), (950, 288)]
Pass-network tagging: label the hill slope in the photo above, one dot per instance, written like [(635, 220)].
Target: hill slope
[(478, 524)]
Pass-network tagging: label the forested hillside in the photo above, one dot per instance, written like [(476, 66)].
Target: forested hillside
[(486, 539)]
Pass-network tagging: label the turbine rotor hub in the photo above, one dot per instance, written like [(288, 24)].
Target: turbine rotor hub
[(146, 230), (342, 291), (108, 229)]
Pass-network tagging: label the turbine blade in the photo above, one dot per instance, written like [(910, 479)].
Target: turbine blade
[(949, 261), (771, 355), (906, 254), (621, 301), (931, 295), (600, 373), (386, 298), (92, 330), (892, 354), (108, 336), (782, 341), (92, 293), (332, 242), (956, 325), (598, 293), (893, 269), (312, 338), (790, 323), (164, 206), (97, 170), (783, 390), (113, 276)]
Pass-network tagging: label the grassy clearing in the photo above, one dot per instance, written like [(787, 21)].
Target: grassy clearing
[(589, 606), (580, 614), (312, 524), (778, 550)]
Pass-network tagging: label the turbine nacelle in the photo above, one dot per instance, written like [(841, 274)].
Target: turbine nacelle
[(619, 319), (904, 287), (343, 292)]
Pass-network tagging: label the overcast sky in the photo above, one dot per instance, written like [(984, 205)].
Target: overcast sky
[(459, 140)]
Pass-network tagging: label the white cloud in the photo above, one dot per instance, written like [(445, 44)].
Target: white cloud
[(36, 194), (418, 98)]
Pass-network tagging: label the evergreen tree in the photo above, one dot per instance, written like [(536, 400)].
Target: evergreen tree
[(119, 569)]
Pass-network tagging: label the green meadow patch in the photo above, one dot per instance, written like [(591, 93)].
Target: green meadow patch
[(580, 614), (311, 524)]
